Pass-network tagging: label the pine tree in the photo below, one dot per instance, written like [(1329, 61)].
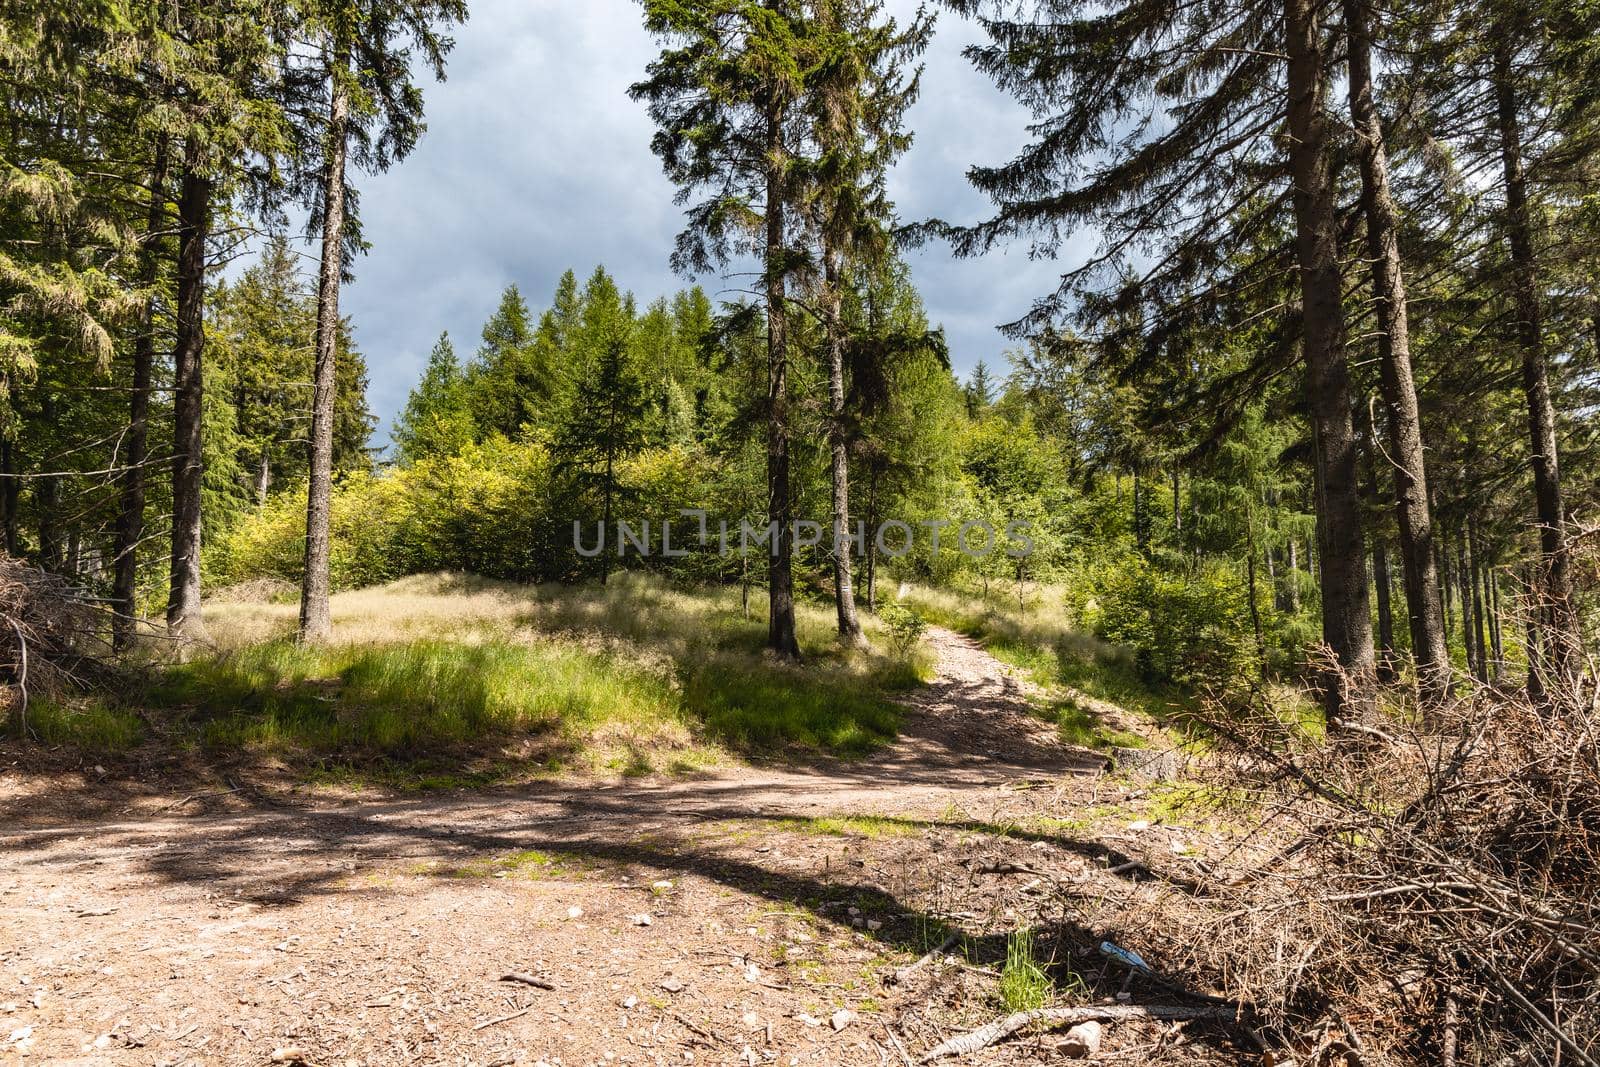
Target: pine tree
[(606, 422), (979, 391), (1159, 125), (368, 47), (1413, 515), (725, 95), (498, 372), (856, 105), (437, 420)]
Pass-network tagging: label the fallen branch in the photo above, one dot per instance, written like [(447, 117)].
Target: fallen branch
[(896, 977), (193, 796), (502, 1019), (527, 979), (1001, 1029)]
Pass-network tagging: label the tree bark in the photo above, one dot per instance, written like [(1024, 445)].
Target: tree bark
[(47, 497), (316, 619), (1558, 620), (130, 519), (1419, 566), (194, 223), (780, 559), (844, 594), (1467, 575), (1348, 685), (9, 493)]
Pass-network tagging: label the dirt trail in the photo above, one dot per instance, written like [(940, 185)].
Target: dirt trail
[(709, 920)]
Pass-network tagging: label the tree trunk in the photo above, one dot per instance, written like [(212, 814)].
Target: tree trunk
[(844, 595), (871, 547), (316, 620), (1177, 508), (1419, 567), (9, 491), (194, 222), (1348, 682), (47, 497), (1559, 622), (130, 519), (1469, 608), (263, 477), (1480, 603), (1292, 576), (1381, 580), (780, 574), (1382, 583), (1496, 635)]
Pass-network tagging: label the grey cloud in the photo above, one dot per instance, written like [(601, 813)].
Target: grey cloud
[(536, 161)]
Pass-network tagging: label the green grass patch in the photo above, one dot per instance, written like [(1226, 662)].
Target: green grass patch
[(1023, 984), (88, 724), (766, 712)]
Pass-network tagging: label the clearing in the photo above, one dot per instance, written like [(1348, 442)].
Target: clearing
[(741, 915)]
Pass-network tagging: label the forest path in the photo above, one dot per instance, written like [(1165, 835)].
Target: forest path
[(375, 931)]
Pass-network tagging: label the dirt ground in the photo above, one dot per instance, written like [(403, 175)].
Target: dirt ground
[(751, 916)]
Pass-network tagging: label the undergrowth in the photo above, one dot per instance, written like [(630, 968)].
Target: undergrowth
[(446, 681)]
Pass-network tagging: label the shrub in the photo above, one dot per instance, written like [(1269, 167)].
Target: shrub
[(1185, 627), (905, 628)]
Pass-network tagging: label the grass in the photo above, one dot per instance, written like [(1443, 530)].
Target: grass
[(1023, 984), (89, 724), (634, 677)]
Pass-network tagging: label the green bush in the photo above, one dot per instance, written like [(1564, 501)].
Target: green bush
[(1192, 628), (905, 628)]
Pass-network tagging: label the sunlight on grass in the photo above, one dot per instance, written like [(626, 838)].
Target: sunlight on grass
[(1023, 984), (635, 677), (88, 724)]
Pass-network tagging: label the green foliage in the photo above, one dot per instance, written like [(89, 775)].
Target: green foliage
[(1184, 627), (1023, 984), (88, 724), (905, 628), (437, 419)]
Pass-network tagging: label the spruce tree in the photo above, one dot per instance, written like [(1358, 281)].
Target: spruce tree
[(368, 47), (726, 95), (437, 420), (856, 105), (1186, 132)]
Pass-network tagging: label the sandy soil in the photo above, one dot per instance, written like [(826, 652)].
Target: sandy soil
[(720, 920)]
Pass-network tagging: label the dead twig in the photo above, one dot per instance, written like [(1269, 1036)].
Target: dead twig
[(1000, 1029)]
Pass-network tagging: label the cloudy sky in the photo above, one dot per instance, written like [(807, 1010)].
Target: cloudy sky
[(536, 160)]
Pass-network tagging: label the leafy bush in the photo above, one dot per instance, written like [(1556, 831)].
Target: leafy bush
[(1186, 627), (905, 628)]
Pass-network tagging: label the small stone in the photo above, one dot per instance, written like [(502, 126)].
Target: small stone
[(874, 924), (751, 1020), (574, 912), (1081, 1042), (842, 1018), (663, 886), (808, 1020), (630, 1002), (1139, 824), (642, 919), (672, 984)]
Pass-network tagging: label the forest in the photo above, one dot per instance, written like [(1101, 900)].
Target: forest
[(1205, 671)]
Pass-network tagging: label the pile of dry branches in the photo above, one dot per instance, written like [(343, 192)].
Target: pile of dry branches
[(51, 636), (1430, 895)]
